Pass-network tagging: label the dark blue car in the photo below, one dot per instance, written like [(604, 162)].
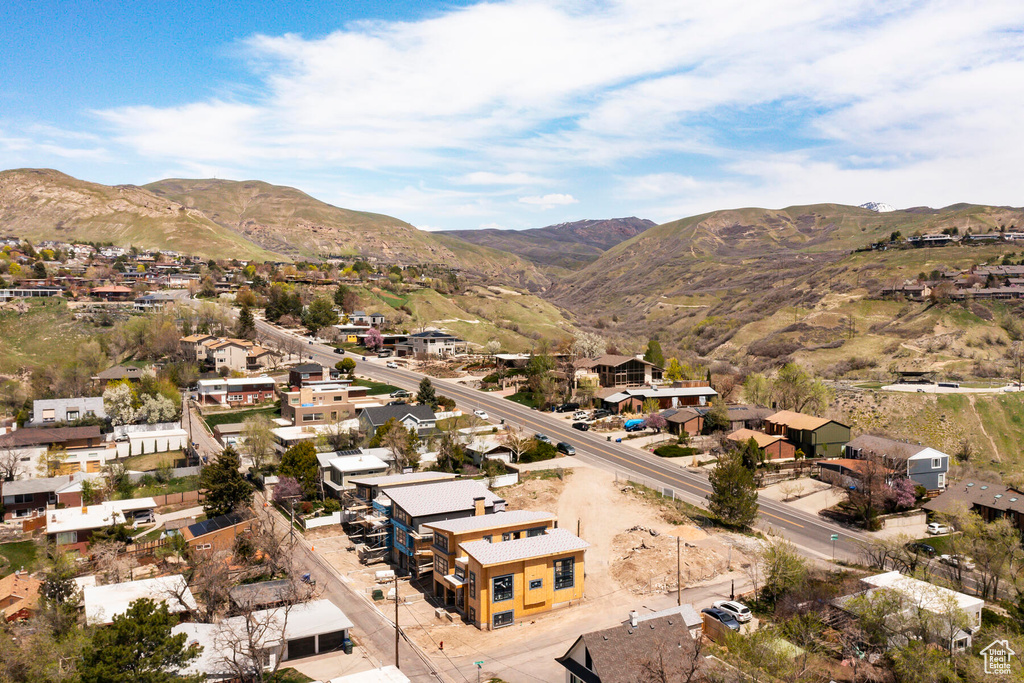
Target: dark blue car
[(722, 616)]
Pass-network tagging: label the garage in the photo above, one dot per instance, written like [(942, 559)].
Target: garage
[(302, 647), (331, 641)]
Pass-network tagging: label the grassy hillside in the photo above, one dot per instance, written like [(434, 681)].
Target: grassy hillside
[(40, 204), (561, 248), (39, 333)]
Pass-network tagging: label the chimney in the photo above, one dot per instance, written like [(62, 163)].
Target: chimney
[(479, 507), (633, 618)]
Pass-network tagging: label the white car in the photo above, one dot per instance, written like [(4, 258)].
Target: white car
[(935, 528), (481, 414), (580, 415), (392, 364), (957, 561), (738, 610)]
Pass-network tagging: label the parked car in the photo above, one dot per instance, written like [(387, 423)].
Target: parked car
[(565, 448), (338, 349), (601, 412), (543, 438), (921, 549), (580, 415), (722, 616), (634, 425), (567, 407), (935, 528), (960, 561), (384, 354), (400, 393), (145, 517), (738, 610), (482, 414), (582, 426), (392, 364)]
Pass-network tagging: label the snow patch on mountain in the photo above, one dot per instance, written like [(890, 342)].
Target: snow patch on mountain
[(880, 207)]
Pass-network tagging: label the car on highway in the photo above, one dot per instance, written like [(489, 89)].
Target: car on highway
[(921, 549), (339, 350), (582, 426), (392, 364), (959, 561), (935, 528), (543, 438), (565, 448), (400, 393), (482, 414), (722, 616), (738, 610)]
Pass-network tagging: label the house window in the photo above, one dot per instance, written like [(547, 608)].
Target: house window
[(538, 531), (22, 513), (504, 619), (936, 463), (502, 588), (440, 565), (72, 415), (460, 573), (23, 498), (49, 415), (294, 400), (506, 536), (942, 480), (441, 542), (488, 538), (472, 585), (400, 537), (536, 584), (472, 615), (564, 573), (67, 537), (235, 397)]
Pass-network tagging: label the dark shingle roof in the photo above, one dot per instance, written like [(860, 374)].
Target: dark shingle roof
[(881, 446), (981, 493), (621, 653), (379, 415), (41, 435)]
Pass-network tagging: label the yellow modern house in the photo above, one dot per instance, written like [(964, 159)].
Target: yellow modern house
[(505, 566)]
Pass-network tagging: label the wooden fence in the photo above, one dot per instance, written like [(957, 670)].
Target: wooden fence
[(179, 498)]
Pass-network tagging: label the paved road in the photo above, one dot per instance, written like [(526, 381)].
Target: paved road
[(808, 531)]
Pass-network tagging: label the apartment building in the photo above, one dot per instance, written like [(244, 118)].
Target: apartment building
[(449, 564), (323, 403)]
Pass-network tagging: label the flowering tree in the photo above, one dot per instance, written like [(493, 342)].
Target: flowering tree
[(119, 403), (656, 422), (901, 493), (374, 340), (286, 488)]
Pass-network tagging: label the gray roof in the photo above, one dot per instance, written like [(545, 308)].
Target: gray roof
[(881, 446), (120, 372), (980, 493), (403, 479), (458, 526), (619, 654), (441, 498), (551, 543), (32, 436), (47, 485), (261, 593), (689, 615), (377, 416)]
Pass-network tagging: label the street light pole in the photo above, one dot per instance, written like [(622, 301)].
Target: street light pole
[(396, 623), (679, 575)]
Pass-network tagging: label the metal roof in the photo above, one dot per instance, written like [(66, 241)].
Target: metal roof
[(554, 542), (492, 521), (441, 498)]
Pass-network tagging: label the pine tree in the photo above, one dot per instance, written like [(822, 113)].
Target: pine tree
[(426, 394), (654, 354), (299, 462), (226, 488), (246, 324), (138, 646), (733, 497)]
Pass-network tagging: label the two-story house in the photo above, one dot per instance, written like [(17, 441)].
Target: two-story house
[(449, 573), (363, 318), (511, 580), (337, 468), (619, 371), (924, 466), (420, 418), (816, 437), (308, 373), (323, 403), (413, 507), (27, 498), (990, 501), (236, 391), (431, 344)]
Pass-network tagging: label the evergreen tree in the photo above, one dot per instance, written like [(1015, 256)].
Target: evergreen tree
[(138, 647), (319, 314), (426, 394), (246, 328), (750, 454), (654, 354), (733, 497), (717, 419), (226, 488), (299, 462)]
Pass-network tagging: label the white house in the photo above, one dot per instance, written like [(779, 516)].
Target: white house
[(103, 603)]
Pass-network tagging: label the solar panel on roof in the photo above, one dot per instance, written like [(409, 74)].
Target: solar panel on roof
[(215, 524)]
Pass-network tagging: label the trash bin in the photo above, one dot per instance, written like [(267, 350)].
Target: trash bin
[(378, 594), (347, 645)]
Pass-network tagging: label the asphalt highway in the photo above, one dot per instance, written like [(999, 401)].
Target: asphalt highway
[(808, 531)]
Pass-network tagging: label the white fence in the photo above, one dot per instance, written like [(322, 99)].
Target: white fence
[(504, 480), (447, 414), (326, 520)]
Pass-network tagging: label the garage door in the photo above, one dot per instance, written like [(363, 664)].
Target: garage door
[(301, 647), (331, 641)]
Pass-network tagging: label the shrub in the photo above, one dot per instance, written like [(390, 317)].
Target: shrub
[(674, 451), (542, 451), (331, 506)]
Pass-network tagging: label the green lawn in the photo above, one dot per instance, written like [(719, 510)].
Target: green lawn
[(375, 387), (289, 675), (178, 485), (18, 555), (940, 543), (153, 461), (236, 416), (524, 398)]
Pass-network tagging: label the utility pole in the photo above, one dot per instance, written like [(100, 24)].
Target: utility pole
[(679, 575), (396, 622)]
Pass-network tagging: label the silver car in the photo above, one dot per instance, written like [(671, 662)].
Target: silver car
[(738, 610)]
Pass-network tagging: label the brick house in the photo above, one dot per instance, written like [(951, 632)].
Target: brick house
[(772, 447), (236, 391)]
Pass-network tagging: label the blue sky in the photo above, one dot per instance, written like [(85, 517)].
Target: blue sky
[(525, 113)]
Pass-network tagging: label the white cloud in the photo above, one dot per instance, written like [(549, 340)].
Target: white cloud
[(490, 178), (549, 201)]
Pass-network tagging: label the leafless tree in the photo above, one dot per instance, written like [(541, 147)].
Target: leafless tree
[(517, 441), (111, 561), (258, 441), (210, 582), (10, 463)]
